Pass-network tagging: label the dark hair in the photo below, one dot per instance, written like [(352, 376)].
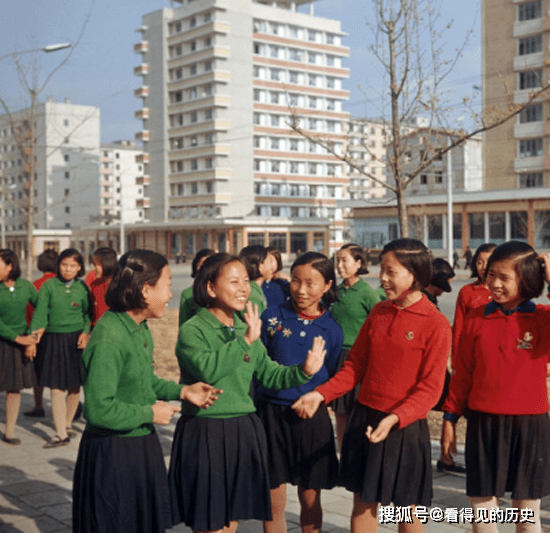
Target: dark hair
[(325, 267), (528, 267), (251, 257), (47, 261), (10, 258), (134, 270), (358, 254), (106, 257), (415, 257), (209, 273), (201, 254), (441, 273), (73, 254), (487, 247), (275, 252)]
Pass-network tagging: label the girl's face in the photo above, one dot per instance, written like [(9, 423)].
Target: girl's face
[(231, 289), (481, 263), (158, 295), (268, 267), (98, 269), (394, 277), (307, 287), (4, 270), (346, 265), (503, 282), (69, 268)]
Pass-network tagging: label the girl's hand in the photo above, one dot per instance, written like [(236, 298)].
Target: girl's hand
[(545, 258), (200, 394), (306, 406), (26, 340), (82, 341), (384, 427), (30, 352), (163, 413), (254, 323), (448, 441), (315, 357), (37, 334)]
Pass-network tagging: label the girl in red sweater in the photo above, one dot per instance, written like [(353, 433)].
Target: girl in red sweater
[(500, 375), (399, 358), (104, 262)]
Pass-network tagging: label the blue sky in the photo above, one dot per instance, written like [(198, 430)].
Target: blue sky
[(100, 70)]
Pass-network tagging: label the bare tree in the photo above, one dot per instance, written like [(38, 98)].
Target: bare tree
[(409, 45)]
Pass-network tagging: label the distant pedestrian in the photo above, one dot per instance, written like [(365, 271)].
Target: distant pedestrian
[(467, 258), (456, 257)]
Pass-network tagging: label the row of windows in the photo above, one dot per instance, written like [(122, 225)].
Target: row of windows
[(192, 117), (297, 167), (180, 49), (190, 94), (178, 143), (530, 179), (295, 54), (192, 70), (268, 188), (183, 189), (295, 32), (283, 121), (209, 211), (296, 100), (294, 212), (190, 23), (296, 77), (291, 145), (530, 10), (177, 167)]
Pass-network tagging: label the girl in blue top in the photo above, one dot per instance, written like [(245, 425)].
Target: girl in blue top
[(301, 452)]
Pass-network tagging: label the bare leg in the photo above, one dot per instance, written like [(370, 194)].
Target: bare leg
[(13, 401), (364, 517), (278, 504), (72, 405), (415, 527), (341, 421), (534, 525), (484, 502), (311, 513), (59, 411), (231, 529)]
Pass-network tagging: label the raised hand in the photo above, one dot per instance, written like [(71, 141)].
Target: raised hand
[(254, 323), (315, 357), (163, 413), (384, 427), (306, 406), (200, 394)]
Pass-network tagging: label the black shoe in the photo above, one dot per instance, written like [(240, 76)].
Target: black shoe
[(37, 413), (13, 442), (56, 441), (78, 413), (452, 468)]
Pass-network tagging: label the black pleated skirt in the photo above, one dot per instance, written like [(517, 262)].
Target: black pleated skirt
[(16, 371), (120, 485), (508, 453), (397, 470), (59, 361), (218, 472), (344, 404), (300, 452)]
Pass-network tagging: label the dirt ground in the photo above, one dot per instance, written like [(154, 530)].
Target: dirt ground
[(165, 332)]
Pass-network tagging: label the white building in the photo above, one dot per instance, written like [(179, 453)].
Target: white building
[(222, 80)]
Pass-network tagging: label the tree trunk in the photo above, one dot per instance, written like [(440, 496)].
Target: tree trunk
[(402, 210)]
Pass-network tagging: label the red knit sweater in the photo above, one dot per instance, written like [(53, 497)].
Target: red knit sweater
[(400, 357), (501, 363)]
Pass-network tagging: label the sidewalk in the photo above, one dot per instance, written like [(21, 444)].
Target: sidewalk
[(36, 484)]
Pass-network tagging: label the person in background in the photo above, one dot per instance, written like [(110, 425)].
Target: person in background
[(104, 262), (259, 267), (47, 264), (442, 275), (276, 288)]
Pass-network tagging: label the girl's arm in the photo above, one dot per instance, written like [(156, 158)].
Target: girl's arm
[(458, 323), (40, 317)]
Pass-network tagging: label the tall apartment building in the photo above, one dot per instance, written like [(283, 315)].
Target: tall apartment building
[(222, 81)]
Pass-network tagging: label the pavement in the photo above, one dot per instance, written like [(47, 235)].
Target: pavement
[(36, 485)]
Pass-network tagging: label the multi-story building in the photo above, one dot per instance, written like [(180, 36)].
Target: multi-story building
[(222, 82)]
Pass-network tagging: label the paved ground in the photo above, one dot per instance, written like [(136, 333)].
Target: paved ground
[(36, 484)]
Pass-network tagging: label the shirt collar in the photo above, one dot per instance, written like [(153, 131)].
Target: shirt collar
[(422, 307), (288, 311), (355, 287), (129, 322), (526, 306), (213, 322)]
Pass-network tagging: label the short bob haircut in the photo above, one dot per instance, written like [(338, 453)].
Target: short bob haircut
[(106, 257), (251, 257), (325, 267), (528, 267), (10, 258), (209, 273), (358, 254), (47, 261), (441, 274), (275, 252), (415, 257), (487, 247), (134, 270), (73, 254), (201, 254)]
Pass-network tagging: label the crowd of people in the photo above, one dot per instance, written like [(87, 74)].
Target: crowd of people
[(264, 357)]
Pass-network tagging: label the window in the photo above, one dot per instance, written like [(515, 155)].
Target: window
[(530, 10), (193, 116), (274, 51), (275, 74), (530, 45), (331, 104), (207, 17), (275, 120), (439, 177), (209, 187), (294, 167), (274, 143), (293, 99), (331, 125), (312, 80), (423, 179), (66, 158), (533, 113), (193, 45), (293, 145), (312, 102), (194, 188), (194, 164), (256, 96), (274, 28), (312, 35), (532, 179), (295, 55), (330, 61), (293, 76), (66, 122), (312, 124), (312, 168), (192, 22), (274, 97), (312, 58), (207, 42), (207, 90), (68, 191), (530, 147), (208, 114), (67, 175), (68, 209), (331, 83), (530, 79), (208, 162), (256, 72), (275, 166), (192, 93), (207, 66), (192, 70), (330, 38)]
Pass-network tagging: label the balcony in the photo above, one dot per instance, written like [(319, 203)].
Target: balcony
[(141, 70), (141, 92), (528, 27), (142, 158), (142, 113), (143, 180), (142, 135), (143, 202), (531, 129), (141, 48), (529, 164), (529, 61)]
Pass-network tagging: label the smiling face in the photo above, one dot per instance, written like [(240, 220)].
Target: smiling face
[(504, 283), (307, 287), (230, 290), (481, 263), (346, 265), (69, 268), (394, 277), (157, 296)]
